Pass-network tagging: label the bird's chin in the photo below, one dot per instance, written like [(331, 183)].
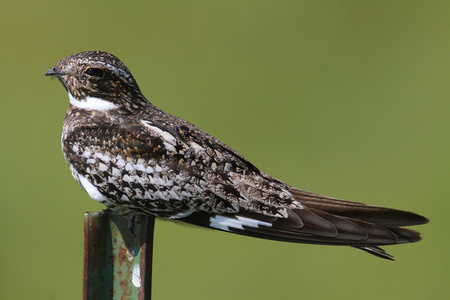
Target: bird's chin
[(63, 82)]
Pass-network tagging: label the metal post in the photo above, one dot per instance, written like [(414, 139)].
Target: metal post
[(117, 264)]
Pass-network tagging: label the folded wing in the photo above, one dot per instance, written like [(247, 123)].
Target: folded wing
[(323, 220)]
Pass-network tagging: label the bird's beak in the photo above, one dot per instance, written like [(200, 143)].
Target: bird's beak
[(54, 71)]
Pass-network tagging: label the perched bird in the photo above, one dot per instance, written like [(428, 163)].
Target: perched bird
[(137, 159)]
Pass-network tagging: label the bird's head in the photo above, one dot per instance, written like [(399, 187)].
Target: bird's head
[(97, 80)]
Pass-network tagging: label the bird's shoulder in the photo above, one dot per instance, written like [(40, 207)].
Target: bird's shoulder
[(183, 140)]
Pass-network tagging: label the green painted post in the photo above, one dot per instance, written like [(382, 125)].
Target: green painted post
[(117, 265)]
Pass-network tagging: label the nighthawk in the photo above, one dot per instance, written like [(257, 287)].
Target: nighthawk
[(137, 159)]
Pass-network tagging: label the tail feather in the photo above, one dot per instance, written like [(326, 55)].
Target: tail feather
[(323, 220), (376, 251), (382, 216), (406, 235)]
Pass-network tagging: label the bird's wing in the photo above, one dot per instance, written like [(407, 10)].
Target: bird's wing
[(270, 209), (162, 170), (228, 176), (153, 180), (382, 216), (309, 225)]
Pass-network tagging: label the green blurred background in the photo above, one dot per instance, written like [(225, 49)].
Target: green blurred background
[(344, 98)]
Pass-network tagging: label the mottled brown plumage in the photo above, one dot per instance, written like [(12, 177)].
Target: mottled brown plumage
[(136, 159)]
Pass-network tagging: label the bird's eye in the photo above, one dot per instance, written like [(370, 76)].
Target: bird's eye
[(94, 72)]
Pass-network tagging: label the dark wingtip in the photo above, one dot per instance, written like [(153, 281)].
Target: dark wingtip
[(409, 218), (405, 235), (382, 216), (422, 219)]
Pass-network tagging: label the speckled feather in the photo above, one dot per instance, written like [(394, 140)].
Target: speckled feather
[(136, 159)]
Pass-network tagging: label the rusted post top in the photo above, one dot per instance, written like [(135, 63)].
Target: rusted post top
[(117, 265)]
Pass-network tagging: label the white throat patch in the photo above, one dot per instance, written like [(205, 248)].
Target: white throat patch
[(92, 103)]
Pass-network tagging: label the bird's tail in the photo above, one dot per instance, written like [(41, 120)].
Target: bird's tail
[(323, 220)]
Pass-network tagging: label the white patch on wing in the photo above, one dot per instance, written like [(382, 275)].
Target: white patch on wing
[(196, 146), (225, 223), (222, 223), (92, 103), (90, 189), (181, 214), (253, 223), (169, 140)]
